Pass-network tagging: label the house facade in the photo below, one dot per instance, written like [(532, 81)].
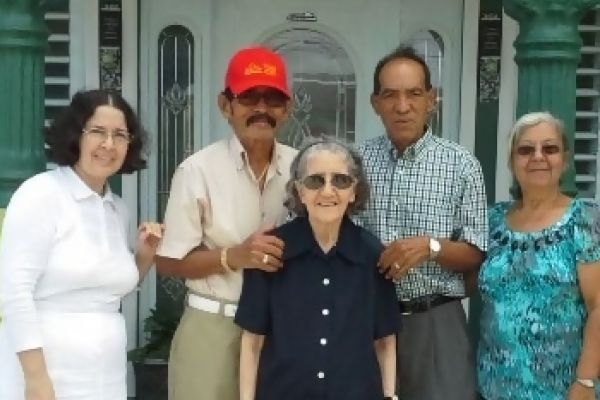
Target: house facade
[(168, 59)]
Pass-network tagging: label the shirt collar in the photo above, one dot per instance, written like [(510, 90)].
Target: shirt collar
[(78, 189), (239, 154), (413, 151), (299, 239)]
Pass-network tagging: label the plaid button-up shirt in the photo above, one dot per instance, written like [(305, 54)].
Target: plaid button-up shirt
[(434, 189)]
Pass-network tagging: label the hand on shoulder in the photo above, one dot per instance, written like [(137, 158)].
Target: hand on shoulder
[(262, 250)]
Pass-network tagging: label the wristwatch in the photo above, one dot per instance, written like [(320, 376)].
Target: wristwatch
[(434, 248), (588, 383), (394, 397)]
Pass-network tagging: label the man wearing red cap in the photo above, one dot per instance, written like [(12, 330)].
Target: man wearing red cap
[(222, 201)]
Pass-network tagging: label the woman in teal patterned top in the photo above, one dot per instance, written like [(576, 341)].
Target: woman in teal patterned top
[(540, 284)]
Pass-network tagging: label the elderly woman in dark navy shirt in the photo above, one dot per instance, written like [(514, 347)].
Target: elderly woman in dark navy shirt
[(324, 326)]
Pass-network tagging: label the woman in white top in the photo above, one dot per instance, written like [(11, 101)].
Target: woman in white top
[(65, 261)]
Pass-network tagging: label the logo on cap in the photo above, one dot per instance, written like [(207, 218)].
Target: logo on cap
[(255, 69)]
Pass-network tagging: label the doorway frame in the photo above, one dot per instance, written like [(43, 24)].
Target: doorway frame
[(467, 89)]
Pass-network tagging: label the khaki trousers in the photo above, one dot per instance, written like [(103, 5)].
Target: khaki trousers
[(205, 354)]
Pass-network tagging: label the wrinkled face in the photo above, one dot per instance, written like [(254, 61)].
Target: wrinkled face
[(404, 101), (257, 113), (538, 158), (103, 144), (326, 189)]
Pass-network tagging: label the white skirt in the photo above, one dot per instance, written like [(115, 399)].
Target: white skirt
[(86, 357)]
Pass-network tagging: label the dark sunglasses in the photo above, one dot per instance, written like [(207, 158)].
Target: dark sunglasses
[(272, 98), (528, 150), (318, 181)]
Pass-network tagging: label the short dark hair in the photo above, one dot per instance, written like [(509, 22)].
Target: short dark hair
[(355, 166), (400, 53), (63, 135)]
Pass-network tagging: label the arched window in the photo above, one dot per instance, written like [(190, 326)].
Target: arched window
[(430, 45), (324, 85)]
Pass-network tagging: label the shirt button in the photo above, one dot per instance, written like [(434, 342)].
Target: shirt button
[(323, 341), (321, 375), (325, 281), (325, 311)]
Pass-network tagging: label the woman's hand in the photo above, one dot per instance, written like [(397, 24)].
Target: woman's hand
[(39, 389), (149, 237)]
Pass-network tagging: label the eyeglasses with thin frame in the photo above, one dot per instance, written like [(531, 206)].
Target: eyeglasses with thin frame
[(336, 180), (101, 134), (527, 150), (272, 98)]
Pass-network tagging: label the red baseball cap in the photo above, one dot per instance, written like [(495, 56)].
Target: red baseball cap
[(256, 66)]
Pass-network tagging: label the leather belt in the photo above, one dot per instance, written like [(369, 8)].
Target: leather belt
[(424, 304)]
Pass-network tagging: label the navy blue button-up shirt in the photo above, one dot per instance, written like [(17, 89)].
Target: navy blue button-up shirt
[(320, 316)]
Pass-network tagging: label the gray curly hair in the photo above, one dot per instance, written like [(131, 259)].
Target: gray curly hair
[(355, 169)]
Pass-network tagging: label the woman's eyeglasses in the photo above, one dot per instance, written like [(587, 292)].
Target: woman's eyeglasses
[(101, 135), (528, 150), (337, 180)]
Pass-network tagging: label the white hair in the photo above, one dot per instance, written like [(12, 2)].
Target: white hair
[(529, 121)]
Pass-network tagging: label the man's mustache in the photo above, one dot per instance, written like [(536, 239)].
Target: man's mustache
[(261, 118)]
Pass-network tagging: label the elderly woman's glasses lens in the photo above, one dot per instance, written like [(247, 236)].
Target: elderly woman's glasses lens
[(528, 150), (102, 135), (318, 181)]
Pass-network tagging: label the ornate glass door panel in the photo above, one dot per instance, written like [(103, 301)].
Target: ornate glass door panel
[(331, 56), (323, 82), (176, 124)]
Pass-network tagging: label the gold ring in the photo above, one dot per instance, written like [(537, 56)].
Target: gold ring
[(265, 258)]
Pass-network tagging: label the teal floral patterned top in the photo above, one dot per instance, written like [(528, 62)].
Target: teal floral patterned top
[(533, 311)]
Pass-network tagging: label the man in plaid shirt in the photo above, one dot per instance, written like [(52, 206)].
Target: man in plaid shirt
[(428, 205)]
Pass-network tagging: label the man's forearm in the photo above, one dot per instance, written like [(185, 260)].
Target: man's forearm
[(385, 349), (198, 264), (459, 256)]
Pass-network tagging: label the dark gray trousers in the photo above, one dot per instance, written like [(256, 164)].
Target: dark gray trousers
[(435, 357)]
